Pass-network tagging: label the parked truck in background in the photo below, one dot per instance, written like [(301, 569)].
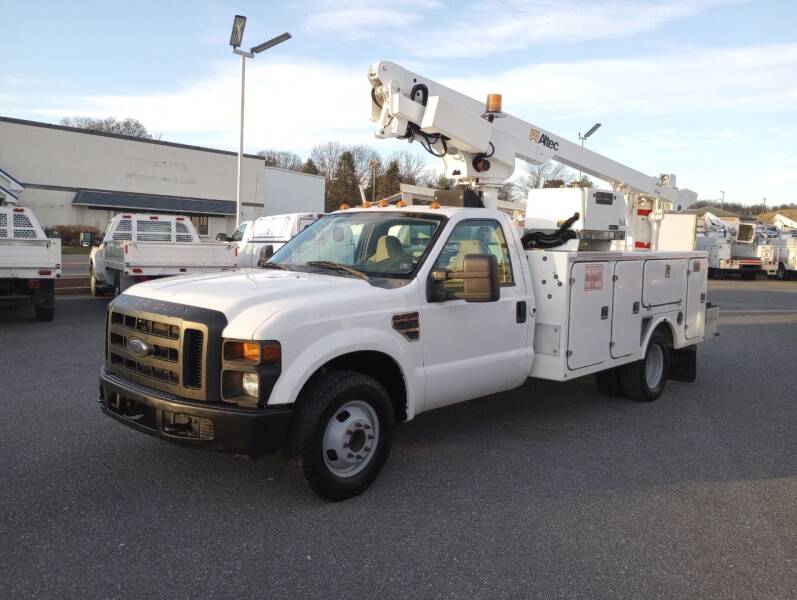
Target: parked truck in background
[(137, 247), (30, 262), (268, 234)]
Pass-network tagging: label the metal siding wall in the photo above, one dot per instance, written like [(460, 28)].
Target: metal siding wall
[(55, 157), (289, 192)]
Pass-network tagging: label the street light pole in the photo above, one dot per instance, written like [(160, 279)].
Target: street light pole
[(239, 23), (584, 137), (240, 144), (722, 205)]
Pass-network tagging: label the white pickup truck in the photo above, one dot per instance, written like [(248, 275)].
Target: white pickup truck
[(265, 235), (30, 262), (372, 316), (137, 247)]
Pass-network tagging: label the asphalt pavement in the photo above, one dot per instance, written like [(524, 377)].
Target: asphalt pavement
[(549, 491)]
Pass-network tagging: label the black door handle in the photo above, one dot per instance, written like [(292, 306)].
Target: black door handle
[(520, 312)]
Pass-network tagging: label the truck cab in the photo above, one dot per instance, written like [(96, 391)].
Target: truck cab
[(269, 233)]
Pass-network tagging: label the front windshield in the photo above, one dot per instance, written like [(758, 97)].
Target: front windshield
[(379, 244)]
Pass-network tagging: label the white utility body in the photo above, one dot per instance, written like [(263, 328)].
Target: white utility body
[(30, 262), (252, 237), (373, 315), (140, 246), (731, 248)]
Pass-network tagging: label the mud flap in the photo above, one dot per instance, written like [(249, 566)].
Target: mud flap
[(683, 364)]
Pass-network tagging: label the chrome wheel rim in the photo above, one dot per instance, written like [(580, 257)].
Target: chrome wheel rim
[(654, 366), (350, 438)]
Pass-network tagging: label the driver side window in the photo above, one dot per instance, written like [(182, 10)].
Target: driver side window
[(475, 236)]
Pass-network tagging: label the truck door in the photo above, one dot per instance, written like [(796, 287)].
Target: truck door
[(589, 332), (471, 349), (696, 299), (626, 308)]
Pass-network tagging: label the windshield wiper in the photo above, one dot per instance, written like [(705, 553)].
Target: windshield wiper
[(271, 265), (334, 266)]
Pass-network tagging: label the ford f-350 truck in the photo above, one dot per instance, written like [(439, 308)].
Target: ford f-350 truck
[(371, 316)]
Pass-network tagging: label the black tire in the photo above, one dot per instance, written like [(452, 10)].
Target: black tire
[(749, 275), (781, 273), (712, 273), (44, 313), (318, 405), (633, 378), (609, 382)]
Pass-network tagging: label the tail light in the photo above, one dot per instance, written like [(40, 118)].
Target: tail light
[(19, 210), (45, 272), (153, 218), (138, 270)]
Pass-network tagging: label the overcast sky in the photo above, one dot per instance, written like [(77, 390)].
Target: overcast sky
[(706, 89)]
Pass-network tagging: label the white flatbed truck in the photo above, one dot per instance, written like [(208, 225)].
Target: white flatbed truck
[(138, 247), (30, 262), (373, 315)]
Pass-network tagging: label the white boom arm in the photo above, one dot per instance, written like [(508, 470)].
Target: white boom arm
[(480, 148), (784, 223), (713, 224)]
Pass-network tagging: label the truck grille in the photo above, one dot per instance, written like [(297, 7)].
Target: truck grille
[(166, 352)]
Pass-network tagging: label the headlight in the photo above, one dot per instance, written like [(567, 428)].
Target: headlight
[(250, 382)]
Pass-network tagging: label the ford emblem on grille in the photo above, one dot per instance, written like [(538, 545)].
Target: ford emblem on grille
[(138, 347)]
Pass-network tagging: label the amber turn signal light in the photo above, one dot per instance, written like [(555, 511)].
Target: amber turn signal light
[(244, 351)]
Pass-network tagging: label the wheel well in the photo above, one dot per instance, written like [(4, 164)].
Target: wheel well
[(379, 366), (665, 328)]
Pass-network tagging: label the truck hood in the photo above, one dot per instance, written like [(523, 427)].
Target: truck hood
[(248, 291)]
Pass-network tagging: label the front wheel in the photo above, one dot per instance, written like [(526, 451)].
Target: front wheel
[(644, 380), (341, 435), (96, 289)]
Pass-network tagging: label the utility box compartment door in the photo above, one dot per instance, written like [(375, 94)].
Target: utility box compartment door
[(696, 299), (627, 308), (590, 314), (664, 283)]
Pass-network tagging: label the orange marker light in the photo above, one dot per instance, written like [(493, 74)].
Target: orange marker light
[(434, 205), (382, 203), (344, 206), (493, 104), (401, 204), (251, 351)]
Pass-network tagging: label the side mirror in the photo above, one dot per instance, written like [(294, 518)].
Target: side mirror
[(266, 252), (479, 277), (222, 237)]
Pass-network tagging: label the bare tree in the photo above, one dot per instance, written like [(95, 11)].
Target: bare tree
[(129, 127), (282, 159), (326, 157), (363, 157), (535, 176), (411, 166)]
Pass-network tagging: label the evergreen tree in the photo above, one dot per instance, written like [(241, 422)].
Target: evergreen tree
[(344, 187), (310, 167), (390, 181)]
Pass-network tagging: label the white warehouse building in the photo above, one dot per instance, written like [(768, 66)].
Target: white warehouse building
[(71, 176)]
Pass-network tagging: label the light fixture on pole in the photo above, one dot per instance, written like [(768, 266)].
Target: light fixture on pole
[(583, 138), (236, 38)]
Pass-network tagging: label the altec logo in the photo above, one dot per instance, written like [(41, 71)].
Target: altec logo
[(543, 138)]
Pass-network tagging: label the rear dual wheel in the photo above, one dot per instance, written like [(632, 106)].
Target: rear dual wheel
[(642, 380)]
